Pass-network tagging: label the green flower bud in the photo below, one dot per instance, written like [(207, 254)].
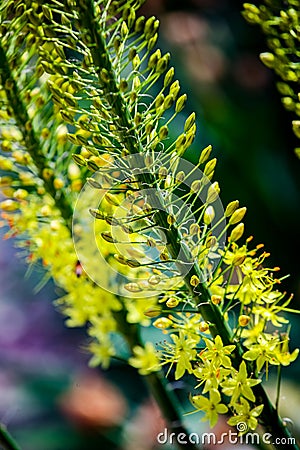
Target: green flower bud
[(196, 186), (163, 132), (213, 192), (231, 207), (180, 176), (296, 127), (205, 154), (190, 121), (159, 101), (154, 58), (132, 287), (209, 215), (210, 167), (175, 88), (194, 281), (180, 104), (139, 24), (79, 159), (133, 263), (162, 64), (104, 75), (237, 233), (168, 102), (237, 216), (108, 237), (155, 311), (152, 42), (168, 77), (124, 30), (268, 59)]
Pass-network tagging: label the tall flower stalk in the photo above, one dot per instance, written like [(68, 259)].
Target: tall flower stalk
[(84, 79)]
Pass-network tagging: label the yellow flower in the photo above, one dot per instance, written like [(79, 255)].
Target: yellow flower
[(145, 359), (212, 406)]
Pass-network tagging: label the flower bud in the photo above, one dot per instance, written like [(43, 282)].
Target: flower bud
[(168, 102), (153, 312), (203, 326), (108, 237), (268, 59), (174, 89), (58, 183), (79, 159), (163, 132), (162, 173), (190, 121), (205, 154), (168, 77), (209, 215), (172, 302), (124, 30), (213, 192), (180, 176), (9, 205), (296, 127), (180, 104), (152, 41), (97, 214), (231, 208), (163, 63), (162, 323), (244, 320), (210, 167), (139, 24), (196, 186), (133, 263), (194, 229), (194, 281), (132, 287), (154, 280), (237, 232), (237, 216), (216, 299)]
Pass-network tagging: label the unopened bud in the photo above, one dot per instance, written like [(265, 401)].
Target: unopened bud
[(216, 299), (172, 302), (210, 167), (153, 312), (162, 323), (194, 281), (132, 287), (196, 186), (203, 326), (168, 77), (244, 320), (268, 59), (231, 207), (189, 121), (108, 237), (180, 104), (213, 192), (209, 215), (205, 154), (236, 233), (237, 216)]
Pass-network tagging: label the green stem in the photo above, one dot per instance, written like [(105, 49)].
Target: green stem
[(278, 388), (31, 140), (6, 441), (94, 39)]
